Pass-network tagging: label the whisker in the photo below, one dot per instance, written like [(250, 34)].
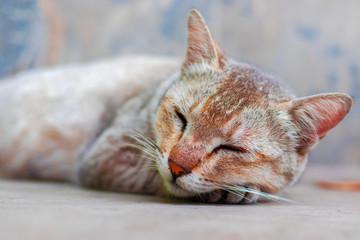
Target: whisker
[(201, 198), (146, 157), (240, 195), (150, 166), (143, 138), (146, 150), (234, 192), (145, 169), (146, 144), (263, 194), (143, 142), (148, 147)]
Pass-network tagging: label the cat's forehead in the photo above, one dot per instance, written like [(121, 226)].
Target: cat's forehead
[(225, 90), (227, 99)]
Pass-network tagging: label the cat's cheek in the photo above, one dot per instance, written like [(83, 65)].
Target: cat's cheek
[(225, 170), (164, 123), (165, 131)]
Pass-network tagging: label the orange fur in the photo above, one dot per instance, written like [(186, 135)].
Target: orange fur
[(215, 128)]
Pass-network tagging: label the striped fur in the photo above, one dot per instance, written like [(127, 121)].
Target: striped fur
[(234, 130)]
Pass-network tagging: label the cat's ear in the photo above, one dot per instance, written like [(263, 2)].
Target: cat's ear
[(314, 116), (201, 45)]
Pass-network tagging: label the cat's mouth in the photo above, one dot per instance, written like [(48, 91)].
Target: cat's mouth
[(177, 190)]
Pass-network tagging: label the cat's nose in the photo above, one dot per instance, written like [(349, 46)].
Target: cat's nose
[(177, 170)]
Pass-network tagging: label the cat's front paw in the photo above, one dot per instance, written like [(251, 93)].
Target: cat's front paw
[(229, 197)]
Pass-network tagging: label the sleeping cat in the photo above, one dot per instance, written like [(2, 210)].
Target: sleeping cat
[(210, 128)]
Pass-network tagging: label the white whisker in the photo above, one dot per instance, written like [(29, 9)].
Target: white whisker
[(143, 139), (263, 194), (145, 150), (146, 145), (238, 193)]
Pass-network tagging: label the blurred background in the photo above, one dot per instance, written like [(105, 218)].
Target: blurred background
[(314, 46)]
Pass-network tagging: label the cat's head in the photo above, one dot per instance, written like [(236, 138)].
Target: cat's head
[(225, 126)]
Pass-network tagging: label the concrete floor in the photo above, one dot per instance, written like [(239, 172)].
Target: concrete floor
[(37, 210)]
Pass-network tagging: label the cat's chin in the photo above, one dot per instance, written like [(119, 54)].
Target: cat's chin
[(177, 191), (216, 196)]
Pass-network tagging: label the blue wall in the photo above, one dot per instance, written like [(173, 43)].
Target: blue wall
[(314, 46)]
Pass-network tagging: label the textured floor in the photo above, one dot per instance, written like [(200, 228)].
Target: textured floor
[(33, 210)]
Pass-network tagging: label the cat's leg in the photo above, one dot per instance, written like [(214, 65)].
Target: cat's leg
[(113, 163), (231, 196), (44, 126), (42, 152), (46, 145)]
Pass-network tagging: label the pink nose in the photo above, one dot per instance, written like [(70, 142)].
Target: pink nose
[(177, 170)]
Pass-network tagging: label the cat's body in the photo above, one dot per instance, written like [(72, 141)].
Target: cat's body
[(212, 127), (52, 117)]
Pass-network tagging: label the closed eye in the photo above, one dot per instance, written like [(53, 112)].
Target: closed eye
[(229, 148), (183, 120)]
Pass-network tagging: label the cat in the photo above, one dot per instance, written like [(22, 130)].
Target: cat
[(208, 128)]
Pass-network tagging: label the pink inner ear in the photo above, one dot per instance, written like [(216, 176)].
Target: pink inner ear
[(326, 111), (201, 46), (316, 115), (326, 124)]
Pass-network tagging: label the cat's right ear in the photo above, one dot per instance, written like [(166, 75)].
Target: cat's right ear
[(314, 116), (201, 45)]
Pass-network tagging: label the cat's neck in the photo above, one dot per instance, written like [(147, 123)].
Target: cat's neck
[(114, 162)]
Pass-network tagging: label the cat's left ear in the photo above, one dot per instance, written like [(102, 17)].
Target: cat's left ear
[(314, 116), (201, 45)]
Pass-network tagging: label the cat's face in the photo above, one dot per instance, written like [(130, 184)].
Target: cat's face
[(223, 126), (223, 129)]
